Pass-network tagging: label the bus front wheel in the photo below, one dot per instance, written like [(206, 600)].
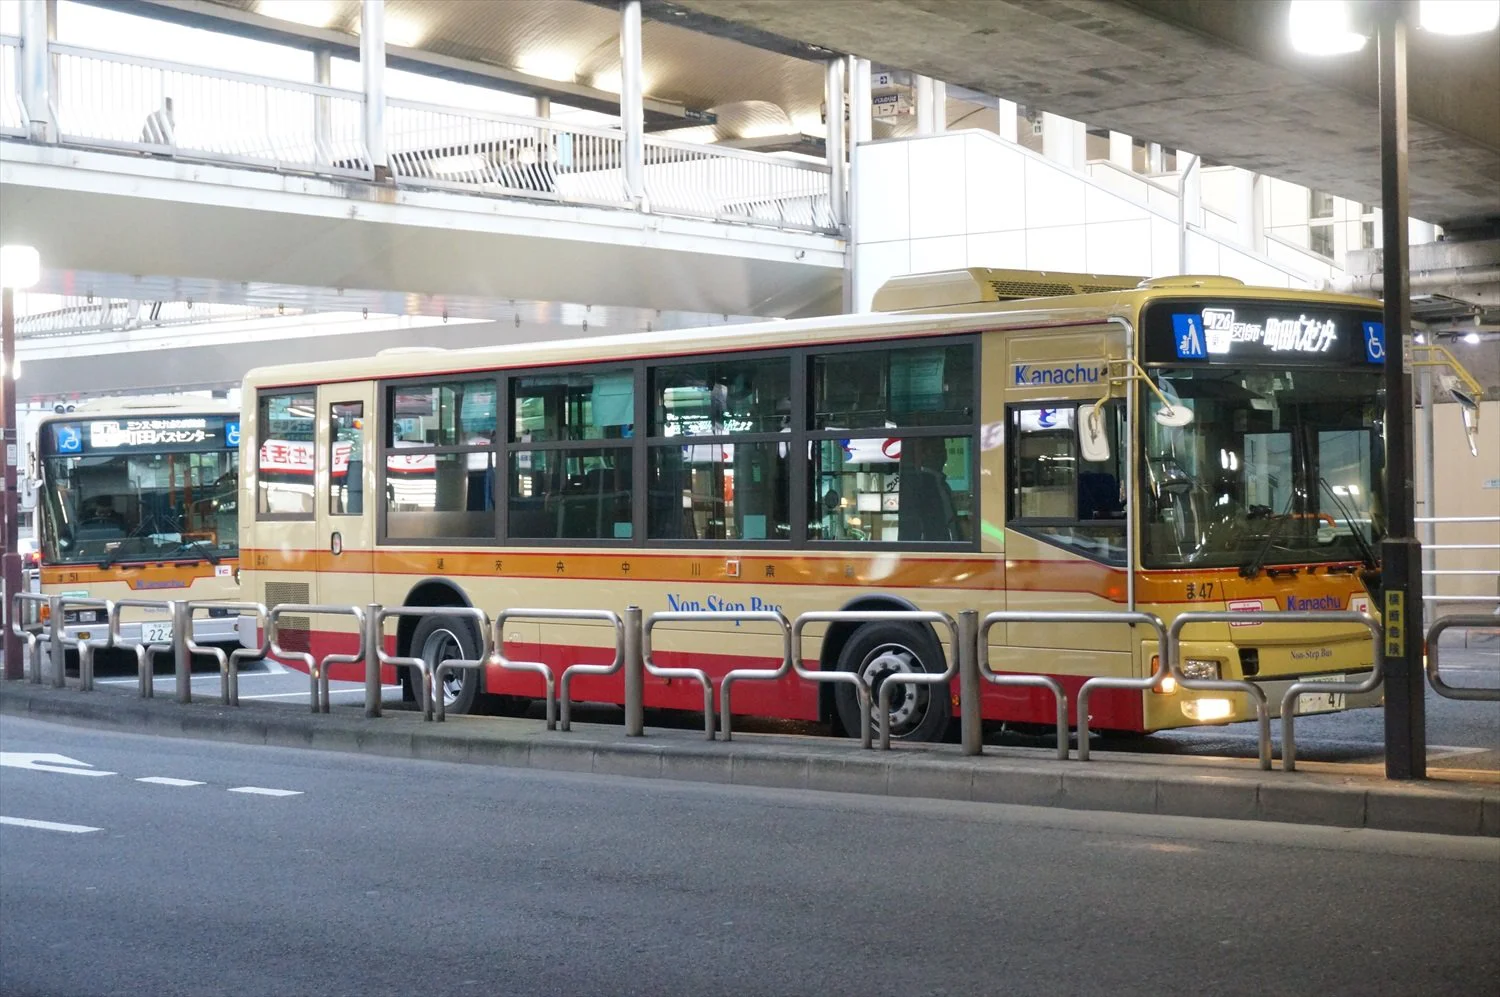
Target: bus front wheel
[(880, 650), (443, 638)]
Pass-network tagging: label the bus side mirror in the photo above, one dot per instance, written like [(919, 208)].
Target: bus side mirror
[(1093, 439), (1468, 407)]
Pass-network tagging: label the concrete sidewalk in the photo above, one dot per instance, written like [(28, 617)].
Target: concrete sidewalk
[(1334, 795)]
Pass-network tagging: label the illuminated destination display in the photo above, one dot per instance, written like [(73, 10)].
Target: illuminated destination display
[(1195, 331), (177, 434)]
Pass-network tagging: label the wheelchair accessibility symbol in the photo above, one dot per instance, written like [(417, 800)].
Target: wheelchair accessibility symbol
[(1375, 342)]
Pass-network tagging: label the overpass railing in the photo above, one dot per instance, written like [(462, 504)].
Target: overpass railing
[(153, 106), (157, 107)]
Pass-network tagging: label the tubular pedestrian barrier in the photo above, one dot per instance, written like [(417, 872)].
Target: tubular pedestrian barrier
[(696, 674), (430, 696), (1289, 698), (726, 684), (1434, 676), (861, 687), (145, 654), (32, 656), (86, 646), (1256, 694), (1060, 696), (229, 664), (558, 690), (317, 670)]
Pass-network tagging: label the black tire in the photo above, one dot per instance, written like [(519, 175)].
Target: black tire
[(918, 712), (441, 638)]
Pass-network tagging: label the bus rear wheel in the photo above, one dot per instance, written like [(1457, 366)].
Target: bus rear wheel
[(443, 638), (880, 650)]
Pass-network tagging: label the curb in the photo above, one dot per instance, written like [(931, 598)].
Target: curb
[(921, 772)]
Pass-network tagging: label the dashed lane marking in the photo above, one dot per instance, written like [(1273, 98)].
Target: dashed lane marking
[(163, 780), (47, 825), (262, 791)]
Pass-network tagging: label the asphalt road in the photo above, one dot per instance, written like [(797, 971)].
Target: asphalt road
[(387, 876)]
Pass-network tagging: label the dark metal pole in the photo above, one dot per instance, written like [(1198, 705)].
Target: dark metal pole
[(10, 548), (1401, 554)]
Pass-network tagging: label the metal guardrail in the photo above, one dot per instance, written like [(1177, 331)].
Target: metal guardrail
[(695, 674), (1473, 598), (85, 646), (32, 655), (429, 696), (1434, 658), (1256, 694), (145, 654), (1158, 674), (1289, 698), (114, 101), (563, 684), (229, 664), (317, 670), (861, 687)]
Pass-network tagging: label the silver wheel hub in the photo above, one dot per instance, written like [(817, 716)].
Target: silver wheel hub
[(441, 646), (906, 700)]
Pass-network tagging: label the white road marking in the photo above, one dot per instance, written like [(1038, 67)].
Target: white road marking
[(163, 780), (262, 791), (47, 763), (332, 692), (47, 825)]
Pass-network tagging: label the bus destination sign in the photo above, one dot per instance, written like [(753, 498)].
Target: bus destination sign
[(168, 433), (1261, 331)]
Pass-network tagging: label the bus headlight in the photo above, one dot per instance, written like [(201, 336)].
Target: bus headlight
[(1200, 668), (1207, 710)]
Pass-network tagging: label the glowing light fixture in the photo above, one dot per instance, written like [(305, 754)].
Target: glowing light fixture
[(1323, 27), (20, 267), (403, 32), (1458, 17), (314, 13), (1472, 338), (549, 65)]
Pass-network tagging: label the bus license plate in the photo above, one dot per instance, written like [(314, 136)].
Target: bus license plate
[(156, 633), (1321, 702)]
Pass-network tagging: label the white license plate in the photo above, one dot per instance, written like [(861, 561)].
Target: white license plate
[(1322, 702), (156, 633)]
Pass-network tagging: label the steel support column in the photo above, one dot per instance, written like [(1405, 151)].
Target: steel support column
[(35, 70), (926, 114), (372, 68), (1401, 554), (632, 109), (833, 98), (322, 113)]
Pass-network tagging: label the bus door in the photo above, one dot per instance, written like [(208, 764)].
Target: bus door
[(346, 506)]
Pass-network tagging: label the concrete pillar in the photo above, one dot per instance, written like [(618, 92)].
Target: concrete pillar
[(833, 96), (1189, 205), (372, 68), (1006, 109), (1249, 210), (322, 113), (1420, 233), (1156, 159), (1122, 150), (861, 106), (924, 99), (34, 68), (939, 107), (1064, 140), (544, 107), (632, 108)]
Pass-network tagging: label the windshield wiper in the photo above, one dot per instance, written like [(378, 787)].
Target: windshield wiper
[(186, 545), (1252, 567), (1365, 550)]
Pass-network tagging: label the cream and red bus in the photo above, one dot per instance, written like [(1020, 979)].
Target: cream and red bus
[(139, 499), (987, 440)]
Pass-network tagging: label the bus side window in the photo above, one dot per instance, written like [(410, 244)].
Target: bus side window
[(346, 482), (1056, 494)]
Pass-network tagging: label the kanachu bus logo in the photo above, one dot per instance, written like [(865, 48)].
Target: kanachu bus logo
[(719, 604), (1025, 375), (1322, 602)]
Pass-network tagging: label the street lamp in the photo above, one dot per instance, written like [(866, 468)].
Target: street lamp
[(20, 268), (1327, 27)]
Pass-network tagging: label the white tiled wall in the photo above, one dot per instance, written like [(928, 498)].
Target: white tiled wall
[(971, 199)]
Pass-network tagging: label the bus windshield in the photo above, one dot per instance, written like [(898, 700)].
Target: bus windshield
[(104, 508), (1275, 466)]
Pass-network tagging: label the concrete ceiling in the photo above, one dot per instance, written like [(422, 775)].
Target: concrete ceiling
[(1216, 77)]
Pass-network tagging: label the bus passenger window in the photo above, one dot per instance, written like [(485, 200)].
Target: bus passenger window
[(438, 466), (286, 434), (884, 489), (346, 461)]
